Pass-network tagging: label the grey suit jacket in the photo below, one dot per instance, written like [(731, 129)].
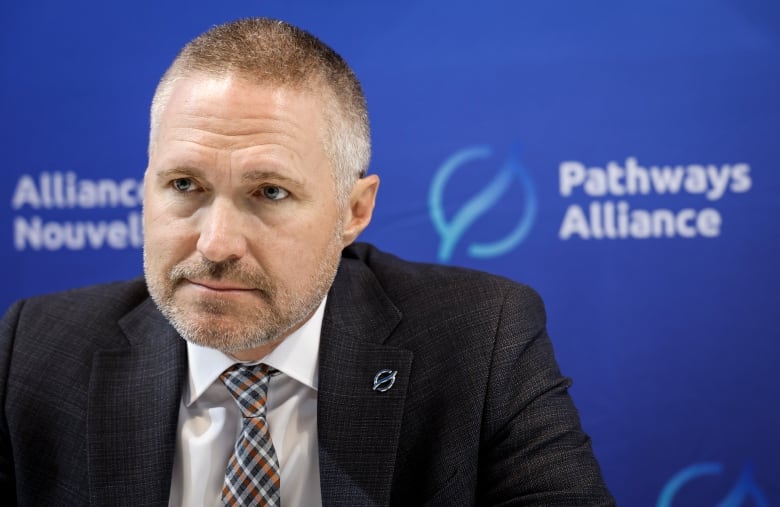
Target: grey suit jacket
[(90, 383)]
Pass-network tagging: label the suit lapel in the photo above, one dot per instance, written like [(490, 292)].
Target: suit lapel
[(359, 427), (134, 397)]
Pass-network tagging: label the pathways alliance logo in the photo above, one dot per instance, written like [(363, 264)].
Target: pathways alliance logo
[(744, 490), (507, 176)]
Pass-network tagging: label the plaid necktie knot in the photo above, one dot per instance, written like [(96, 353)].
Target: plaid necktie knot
[(252, 475)]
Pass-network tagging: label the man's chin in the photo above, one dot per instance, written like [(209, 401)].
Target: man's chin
[(206, 308), (226, 342), (217, 328)]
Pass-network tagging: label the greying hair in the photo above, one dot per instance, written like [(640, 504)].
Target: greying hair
[(268, 51)]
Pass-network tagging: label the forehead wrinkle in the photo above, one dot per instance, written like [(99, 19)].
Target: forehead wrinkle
[(229, 125), (274, 145), (240, 136)]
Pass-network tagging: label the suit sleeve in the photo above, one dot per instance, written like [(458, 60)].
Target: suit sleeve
[(533, 450), (7, 476)]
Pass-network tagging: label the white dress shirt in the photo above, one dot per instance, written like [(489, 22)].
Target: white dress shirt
[(210, 421)]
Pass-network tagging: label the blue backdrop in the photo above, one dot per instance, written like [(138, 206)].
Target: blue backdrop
[(621, 157)]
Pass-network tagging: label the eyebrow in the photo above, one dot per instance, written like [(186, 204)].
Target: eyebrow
[(178, 171), (252, 176), (257, 175)]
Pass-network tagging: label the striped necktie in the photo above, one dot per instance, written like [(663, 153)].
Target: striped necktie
[(252, 475)]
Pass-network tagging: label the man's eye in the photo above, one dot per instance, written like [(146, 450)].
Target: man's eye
[(274, 193), (183, 184)]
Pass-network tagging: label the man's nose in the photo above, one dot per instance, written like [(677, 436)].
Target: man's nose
[(222, 235)]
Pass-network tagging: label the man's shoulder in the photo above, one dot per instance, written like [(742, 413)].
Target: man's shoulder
[(70, 325), (107, 300), (407, 279)]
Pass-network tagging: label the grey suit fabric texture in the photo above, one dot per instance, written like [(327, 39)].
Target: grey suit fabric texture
[(479, 413)]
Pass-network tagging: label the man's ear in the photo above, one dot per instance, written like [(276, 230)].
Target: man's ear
[(361, 206)]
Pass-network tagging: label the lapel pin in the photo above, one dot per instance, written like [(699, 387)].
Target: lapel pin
[(384, 380)]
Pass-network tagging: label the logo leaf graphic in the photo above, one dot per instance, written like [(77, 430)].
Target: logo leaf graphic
[(479, 204)]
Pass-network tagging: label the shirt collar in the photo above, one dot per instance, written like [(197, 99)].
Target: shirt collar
[(296, 356)]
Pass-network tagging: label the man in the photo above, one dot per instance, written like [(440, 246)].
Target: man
[(313, 370)]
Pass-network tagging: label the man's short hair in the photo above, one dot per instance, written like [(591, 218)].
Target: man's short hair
[(268, 51)]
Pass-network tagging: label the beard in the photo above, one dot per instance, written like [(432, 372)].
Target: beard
[(230, 326)]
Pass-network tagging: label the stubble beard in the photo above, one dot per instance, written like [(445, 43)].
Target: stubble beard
[(223, 325)]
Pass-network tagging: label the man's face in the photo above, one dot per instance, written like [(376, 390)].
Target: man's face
[(242, 228)]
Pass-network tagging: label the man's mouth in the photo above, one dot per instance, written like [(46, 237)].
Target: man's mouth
[(219, 285)]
